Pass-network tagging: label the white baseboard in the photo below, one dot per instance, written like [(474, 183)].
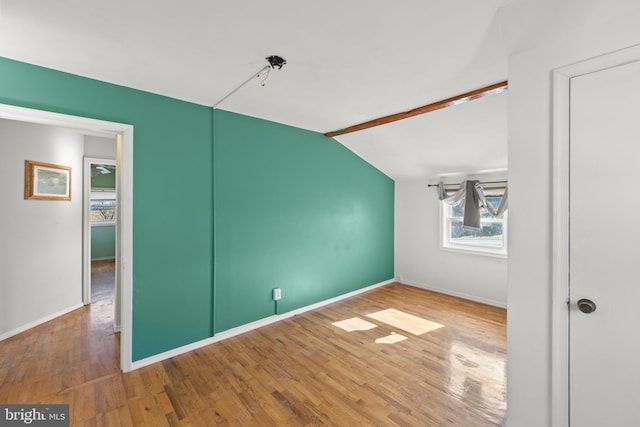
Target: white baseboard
[(249, 327), (454, 293), (30, 325)]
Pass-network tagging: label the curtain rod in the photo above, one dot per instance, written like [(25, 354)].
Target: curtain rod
[(481, 183)]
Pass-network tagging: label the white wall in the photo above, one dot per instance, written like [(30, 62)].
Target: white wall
[(420, 260), (40, 241), (608, 26), (99, 147)]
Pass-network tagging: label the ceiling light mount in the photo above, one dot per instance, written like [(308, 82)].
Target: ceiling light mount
[(273, 60), (276, 61)]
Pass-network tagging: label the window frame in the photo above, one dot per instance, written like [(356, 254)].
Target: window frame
[(445, 232)]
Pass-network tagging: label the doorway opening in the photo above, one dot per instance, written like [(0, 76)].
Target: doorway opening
[(123, 135), (100, 225)]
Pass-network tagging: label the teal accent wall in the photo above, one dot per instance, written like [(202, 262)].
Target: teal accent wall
[(103, 242), (294, 210), (172, 212)]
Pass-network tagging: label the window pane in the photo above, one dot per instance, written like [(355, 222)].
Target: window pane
[(103, 210), (490, 236), (457, 210)]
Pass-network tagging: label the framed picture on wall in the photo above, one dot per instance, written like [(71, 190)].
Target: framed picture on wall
[(45, 181)]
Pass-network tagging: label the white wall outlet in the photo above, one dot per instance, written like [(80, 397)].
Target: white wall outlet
[(277, 294)]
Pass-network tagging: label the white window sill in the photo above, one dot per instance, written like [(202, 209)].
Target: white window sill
[(475, 251)]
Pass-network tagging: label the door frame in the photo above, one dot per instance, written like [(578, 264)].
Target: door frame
[(123, 133), (560, 369)]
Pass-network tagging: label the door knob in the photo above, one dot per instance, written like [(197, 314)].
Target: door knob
[(586, 306)]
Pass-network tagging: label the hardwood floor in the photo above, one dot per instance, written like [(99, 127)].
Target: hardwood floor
[(302, 371), (103, 278)]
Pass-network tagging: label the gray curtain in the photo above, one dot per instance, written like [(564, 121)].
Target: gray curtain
[(475, 203), (472, 206)]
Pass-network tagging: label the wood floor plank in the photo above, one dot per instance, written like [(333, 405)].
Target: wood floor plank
[(304, 371)]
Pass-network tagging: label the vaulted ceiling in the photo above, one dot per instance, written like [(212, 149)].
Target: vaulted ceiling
[(347, 62)]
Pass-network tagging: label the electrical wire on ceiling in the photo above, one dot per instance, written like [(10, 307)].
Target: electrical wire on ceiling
[(266, 76), (273, 62)]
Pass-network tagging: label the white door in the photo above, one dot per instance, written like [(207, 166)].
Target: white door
[(604, 241)]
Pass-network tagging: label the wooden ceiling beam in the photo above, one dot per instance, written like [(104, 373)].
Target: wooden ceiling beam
[(454, 100)]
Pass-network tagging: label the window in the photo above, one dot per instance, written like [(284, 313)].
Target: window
[(103, 210), (491, 240)]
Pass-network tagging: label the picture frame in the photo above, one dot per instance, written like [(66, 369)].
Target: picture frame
[(46, 181)]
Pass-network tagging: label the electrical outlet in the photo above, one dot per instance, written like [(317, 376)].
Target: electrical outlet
[(277, 294)]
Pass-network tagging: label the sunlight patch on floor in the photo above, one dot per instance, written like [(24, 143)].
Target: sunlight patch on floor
[(391, 339), (405, 321), (355, 324)]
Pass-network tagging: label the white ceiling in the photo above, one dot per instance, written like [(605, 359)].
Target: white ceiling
[(347, 62)]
